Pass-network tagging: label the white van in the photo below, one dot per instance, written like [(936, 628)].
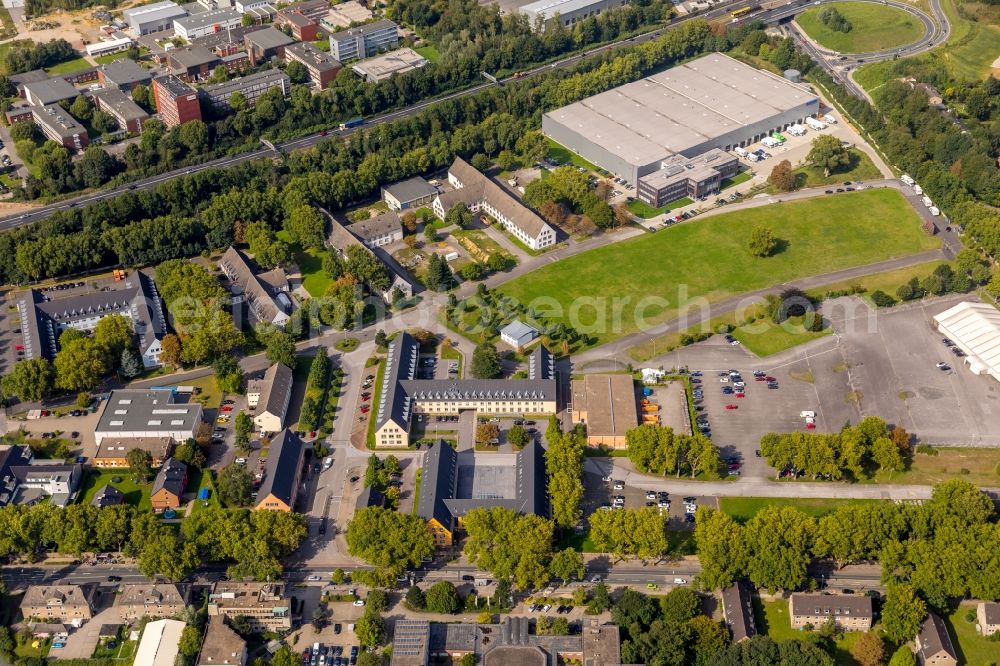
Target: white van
[(807, 414), (934, 210), (830, 119), (906, 179), (740, 151), (918, 190), (815, 124)]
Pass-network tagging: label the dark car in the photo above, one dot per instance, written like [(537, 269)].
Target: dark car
[(829, 192), (336, 628), (468, 578)]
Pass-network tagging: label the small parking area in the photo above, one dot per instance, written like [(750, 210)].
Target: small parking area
[(672, 403), (609, 492)]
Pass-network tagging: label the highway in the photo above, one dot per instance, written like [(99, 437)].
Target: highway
[(40, 213)]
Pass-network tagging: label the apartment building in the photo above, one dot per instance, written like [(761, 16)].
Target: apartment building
[(176, 101), (322, 67), (263, 604), (252, 87), (849, 612), (365, 40)]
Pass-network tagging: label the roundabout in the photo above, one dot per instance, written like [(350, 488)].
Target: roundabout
[(856, 27)]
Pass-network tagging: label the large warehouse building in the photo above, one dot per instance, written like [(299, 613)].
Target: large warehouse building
[(975, 329), (712, 102)]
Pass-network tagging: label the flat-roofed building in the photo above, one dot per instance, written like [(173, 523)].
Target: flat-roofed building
[(265, 44), (112, 452), (364, 40), (153, 600), (934, 646), (222, 646), (129, 115), (269, 398), (57, 125), (192, 63), (346, 14), (711, 102), (252, 87), (207, 23), (383, 66), (680, 177), (606, 404), (409, 193), (322, 67), (154, 17), (737, 611), (176, 101), (302, 27), (568, 12), (150, 414), (988, 617), (68, 604), (410, 643), (314, 9), (264, 605), (123, 73), (49, 91), (852, 612), (480, 193)]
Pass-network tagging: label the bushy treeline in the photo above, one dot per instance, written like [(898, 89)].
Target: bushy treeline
[(24, 57)]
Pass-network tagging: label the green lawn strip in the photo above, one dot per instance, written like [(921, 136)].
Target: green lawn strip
[(310, 263), (69, 66), (198, 479), (347, 344), (208, 393), (429, 52), (874, 27), (452, 354), (484, 243), (332, 398), (524, 248), (743, 509), (972, 46), (978, 466), (860, 168), (416, 491), (764, 338), (135, 495), (973, 648), (662, 344), (708, 259), (562, 155), (376, 396), (887, 281), (645, 211), (741, 177)]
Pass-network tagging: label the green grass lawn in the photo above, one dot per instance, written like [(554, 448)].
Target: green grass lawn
[(887, 281), (347, 344), (209, 394), (198, 479), (860, 168), (764, 337), (741, 177), (376, 396), (429, 52), (69, 66), (973, 649), (452, 354), (743, 509), (982, 465), (773, 620), (135, 495), (708, 259), (645, 211), (875, 27), (562, 155), (310, 262)]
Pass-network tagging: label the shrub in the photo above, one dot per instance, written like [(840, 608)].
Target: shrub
[(882, 299)]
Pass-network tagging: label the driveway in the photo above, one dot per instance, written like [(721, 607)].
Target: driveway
[(81, 643)]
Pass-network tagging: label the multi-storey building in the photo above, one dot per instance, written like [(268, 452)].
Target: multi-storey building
[(176, 101), (129, 115), (264, 605), (364, 40), (849, 612), (322, 66), (252, 87)]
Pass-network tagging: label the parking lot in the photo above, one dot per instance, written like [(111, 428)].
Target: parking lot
[(607, 492)]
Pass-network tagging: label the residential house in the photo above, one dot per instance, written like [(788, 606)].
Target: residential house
[(481, 194), (342, 239), (263, 604), (737, 611), (156, 600), (26, 480), (410, 193), (269, 398), (988, 617), (850, 612), (222, 645), (934, 646), (160, 643), (282, 473), (169, 485), (378, 231), (265, 294), (67, 604), (107, 496)]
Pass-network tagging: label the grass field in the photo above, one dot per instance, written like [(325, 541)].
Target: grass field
[(875, 27), (773, 620), (645, 211), (743, 509), (429, 52), (887, 281), (562, 155), (609, 291), (741, 177), (860, 168), (764, 337), (973, 649), (210, 396), (68, 66), (135, 495), (310, 263), (983, 467)]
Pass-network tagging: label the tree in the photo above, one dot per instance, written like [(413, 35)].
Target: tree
[(80, 364), (630, 533), (30, 380), (228, 376), (780, 539), (370, 630), (510, 546), (564, 465), (566, 565), (140, 463), (869, 650), (415, 598), (284, 656), (762, 242), (234, 486), (902, 613), (338, 577), (486, 433), (279, 346), (903, 657), (130, 365), (306, 227), (459, 215), (680, 605), (242, 427), (828, 154), (381, 339), (297, 72), (600, 601), (190, 641), (782, 178), (486, 361), (518, 437), (170, 350), (389, 540), (468, 659), (442, 597)]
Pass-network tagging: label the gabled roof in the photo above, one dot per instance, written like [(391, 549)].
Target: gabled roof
[(933, 640), (172, 477), (370, 496), (437, 485), (258, 288), (737, 609), (532, 485), (831, 605), (108, 495), (376, 226), (283, 459), (400, 365), (274, 390), (477, 187), (991, 611), (222, 646)]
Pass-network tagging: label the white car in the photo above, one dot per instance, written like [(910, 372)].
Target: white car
[(739, 384), (680, 581), (359, 602), (313, 578), (723, 380), (650, 495), (546, 608), (619, 485), (691, 508)]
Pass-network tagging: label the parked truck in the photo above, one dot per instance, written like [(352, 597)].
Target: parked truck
[(815, 124), (740, 151), (353, 122)]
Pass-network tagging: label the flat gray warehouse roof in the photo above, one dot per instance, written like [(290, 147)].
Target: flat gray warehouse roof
[(680, 108)]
